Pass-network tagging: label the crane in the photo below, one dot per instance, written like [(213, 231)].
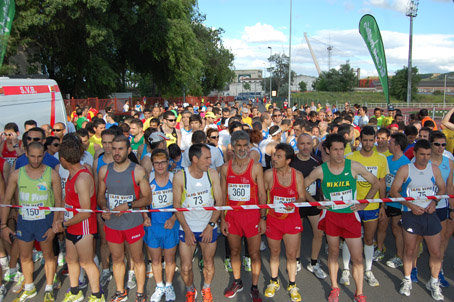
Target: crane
[(312, 54)]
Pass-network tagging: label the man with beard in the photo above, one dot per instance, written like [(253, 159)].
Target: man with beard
[(242, 184), (126, 185)]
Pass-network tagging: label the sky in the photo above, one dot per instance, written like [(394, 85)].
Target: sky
[(251, 26)]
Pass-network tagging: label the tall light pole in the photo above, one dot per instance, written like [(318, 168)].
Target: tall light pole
[(412, 11), (290, 56), (271, 50)]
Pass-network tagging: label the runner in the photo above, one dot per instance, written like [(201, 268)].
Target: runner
[(342, 220), (168, 128), (306, 163), (136, 132), (127, 187), (11, 146), (419, 217), (377, 164), (161, 229), (283, 223), (37, 185), (79, 228), (197, 186), (242, 183)]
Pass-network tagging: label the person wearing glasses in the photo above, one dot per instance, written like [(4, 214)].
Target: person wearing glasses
[(11, 146), (59, 130), (213, 139), (36, 135), (52, 145), (276, 117), (169, 121)]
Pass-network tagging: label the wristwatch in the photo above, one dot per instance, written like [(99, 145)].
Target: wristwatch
[(211, 224), (130, 205)]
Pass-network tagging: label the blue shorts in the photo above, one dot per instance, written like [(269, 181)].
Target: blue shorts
[(198, 236), (29, 230), (443, 214), (156, 236), (368, 215)]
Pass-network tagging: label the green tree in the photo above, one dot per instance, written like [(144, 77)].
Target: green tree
[(246, 86), (280, 73), (341, 80), (399, 83), (303, 86)]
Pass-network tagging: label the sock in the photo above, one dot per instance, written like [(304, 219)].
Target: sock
[(408, 278), (98, 295), (29, 287), (298, 259), (168, 284), (238, 281), (205, 285), (106, 270), (4, 261), (345, 256), (274, 279), (313, 262), (160, 284), (368, 256), (13, 270), (291, 283), (254, 287), (61, 245), (190, 288), (74, 290), (49, 288), (433, 280)]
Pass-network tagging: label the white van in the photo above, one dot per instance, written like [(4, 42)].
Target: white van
[(30, 99)]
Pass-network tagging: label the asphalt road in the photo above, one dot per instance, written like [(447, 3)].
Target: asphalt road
[(312, 289)]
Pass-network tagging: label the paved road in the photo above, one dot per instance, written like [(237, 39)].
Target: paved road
[(312, 289)]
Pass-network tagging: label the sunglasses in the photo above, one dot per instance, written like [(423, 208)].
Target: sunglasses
[(57, 130), (56, 144), (214, 137), (171, 121), (439, 144), (35, 139), (277, 115)]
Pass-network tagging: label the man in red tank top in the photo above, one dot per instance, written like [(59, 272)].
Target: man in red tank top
[(79, 228), (242, 184), (283, 223)]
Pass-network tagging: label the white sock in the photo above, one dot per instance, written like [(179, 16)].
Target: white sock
[(168, 284), (106, 270), (369, 256), (345, 256), (160, 284), (4, 261), (433, 280), (49, 288), (408, 277), (29, 287)]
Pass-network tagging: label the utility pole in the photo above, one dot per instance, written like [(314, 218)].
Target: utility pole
[(290, 58), (271, 88), (412, 11)]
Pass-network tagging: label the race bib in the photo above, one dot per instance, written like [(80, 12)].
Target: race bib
[(389, 178), (373, 170), (116, 200), (33, 214), (162, 199), (342, 195), (420, 192), (199, 199), (278, 200), (10, 160), (312, 189), (239, 192), (68, 214)]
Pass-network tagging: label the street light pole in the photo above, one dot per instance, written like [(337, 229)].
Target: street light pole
[(271, 89), (444, 94), (412, 11), (290, 57)]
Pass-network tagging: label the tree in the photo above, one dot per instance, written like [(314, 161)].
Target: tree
[(280, 73), (399, 83), (341, 80), (246, 86), (303, 86)]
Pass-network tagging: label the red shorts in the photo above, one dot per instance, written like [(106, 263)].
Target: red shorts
[(243, 223), (131, 235), (277, 228), (345, 225)]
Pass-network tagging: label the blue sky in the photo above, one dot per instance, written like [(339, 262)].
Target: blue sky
[(251, 26)]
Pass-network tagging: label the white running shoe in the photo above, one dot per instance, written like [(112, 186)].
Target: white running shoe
[(158, 293), (405, 287), (435, 290), (317, 270), (345, 279), (370, 278)]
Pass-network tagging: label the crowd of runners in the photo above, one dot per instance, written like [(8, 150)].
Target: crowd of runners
[(213, 155)]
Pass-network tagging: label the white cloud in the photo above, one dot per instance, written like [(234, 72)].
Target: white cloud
[(395, 5), (260, 33)]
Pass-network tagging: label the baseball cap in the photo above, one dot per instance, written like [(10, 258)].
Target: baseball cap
[(210, 114), (391, 108), (157, 137)]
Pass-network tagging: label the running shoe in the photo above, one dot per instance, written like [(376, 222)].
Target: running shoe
[(8, 276), (83, 283), (414, 275), (378, 255), (170, 293), (435, 290), (394, 262), (359, 298), (228, 265), (247, 264), (298, 266), (25, 295), (294, 293), (233, 289), (158, 293), (442, 280), (206, 295), (345, 279), (56, 282), (255, 294), (69, 297), (106, 276), (131, 280), (120, 297), (272, 288), (94, 299), (141, 297), (370, 278), (191, 296), (2, 292), (405, 287), (49, 296), (317, 270), (61, 259), (334, 295), (37, 255), (19, 285)]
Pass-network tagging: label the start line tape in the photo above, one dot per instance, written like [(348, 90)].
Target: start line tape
[(239, 207)]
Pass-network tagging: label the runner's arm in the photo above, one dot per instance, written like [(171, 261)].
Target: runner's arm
[(56, 187), (302, 193), (83, 186), (317, 173), (223, 182), (445, 121), (450, 185), (9, 195), (369, 177), (177, 189), (217, 192), (102, 202), (261, 187)]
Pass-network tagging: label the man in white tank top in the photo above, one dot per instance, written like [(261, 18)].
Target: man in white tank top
[(197, 186), (419, 218)]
